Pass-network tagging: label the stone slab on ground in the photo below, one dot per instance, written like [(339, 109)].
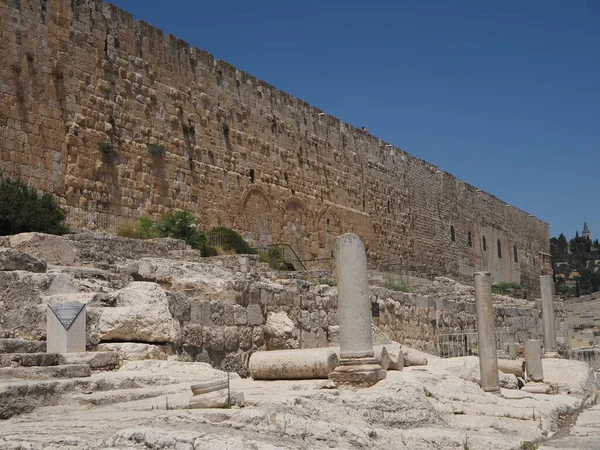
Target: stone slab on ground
[(28, 359), (44, 373), (21, 346), (96, 360)]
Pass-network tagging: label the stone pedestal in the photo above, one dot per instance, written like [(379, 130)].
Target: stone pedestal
[(66, 328), (533, 360), (486, 333), (357, 361), (548, 316)]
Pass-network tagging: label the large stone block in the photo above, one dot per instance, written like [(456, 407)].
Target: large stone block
[(11, 259), (255, 315)]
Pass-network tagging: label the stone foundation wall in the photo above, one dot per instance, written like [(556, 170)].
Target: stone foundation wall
[(90, 99)]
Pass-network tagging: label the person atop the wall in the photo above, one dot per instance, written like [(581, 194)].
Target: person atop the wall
[(364, 130)]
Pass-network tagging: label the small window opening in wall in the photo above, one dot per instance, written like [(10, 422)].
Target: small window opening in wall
[(251, 174), (452, 233), (499, 249), (483, 243), (327, 221), (363, 204), (469, 241), (515, 253), (534, 261), (388, 206)]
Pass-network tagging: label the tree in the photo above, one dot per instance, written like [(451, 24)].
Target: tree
[(23, 209)]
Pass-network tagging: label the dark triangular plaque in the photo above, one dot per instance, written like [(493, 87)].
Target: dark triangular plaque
[(66, 313)]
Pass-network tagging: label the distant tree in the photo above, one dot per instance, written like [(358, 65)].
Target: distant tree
[(559, 248)]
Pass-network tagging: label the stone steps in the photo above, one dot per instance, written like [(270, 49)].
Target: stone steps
[(22, 346), (96, 360), (44, 372), (28, 359), (113, 396), (19, 396)]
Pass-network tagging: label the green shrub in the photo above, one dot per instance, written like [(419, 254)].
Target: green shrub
[(207, 250), (23, 210), (507, 285), (142, 228), (231, 240), (156, 150), (105, 147), (274, 257), (399, 287), (181, 225), (328, 281)]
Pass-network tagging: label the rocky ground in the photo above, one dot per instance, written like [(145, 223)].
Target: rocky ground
[(439, 406), (158, 314)]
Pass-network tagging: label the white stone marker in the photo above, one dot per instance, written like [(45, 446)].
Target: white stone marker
[(549, 316), (66, 328), (533, 360), (486, 333), (358, 365)]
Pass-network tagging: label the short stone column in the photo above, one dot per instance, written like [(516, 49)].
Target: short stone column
[(358, 365), (486, 333), (548, 316), (533, 360)]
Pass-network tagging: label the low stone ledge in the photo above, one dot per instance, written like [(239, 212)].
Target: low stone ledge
[(21, 346), (96, 360), (41, 373), (28, 359)]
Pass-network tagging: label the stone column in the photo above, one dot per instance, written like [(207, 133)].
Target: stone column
[(357, 362), (533, 360), (548, 315), (486, 333)]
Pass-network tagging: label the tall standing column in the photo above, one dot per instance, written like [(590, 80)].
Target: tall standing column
[(548, 316), (357, 362), (486, 332)]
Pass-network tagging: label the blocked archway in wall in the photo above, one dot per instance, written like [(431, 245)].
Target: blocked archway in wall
[(295, 229), (255, 222), (328, 227)]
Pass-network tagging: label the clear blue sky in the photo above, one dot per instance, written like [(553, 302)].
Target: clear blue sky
[(502, 94)]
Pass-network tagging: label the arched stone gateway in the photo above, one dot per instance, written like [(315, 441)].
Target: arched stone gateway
[(294, 231), (256, 210)]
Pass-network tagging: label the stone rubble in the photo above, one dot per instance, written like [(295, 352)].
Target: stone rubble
[(162, 319)]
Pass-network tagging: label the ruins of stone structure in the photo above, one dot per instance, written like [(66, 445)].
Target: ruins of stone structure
[(119, 121), (157, 312)]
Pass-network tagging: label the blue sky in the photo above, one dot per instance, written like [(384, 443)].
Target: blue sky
[(504, 95)]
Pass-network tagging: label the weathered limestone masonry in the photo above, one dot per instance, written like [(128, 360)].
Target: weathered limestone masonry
[(239, 153)]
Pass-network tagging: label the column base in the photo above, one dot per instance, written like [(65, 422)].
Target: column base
[(551, 355), (361, 372), (491, 389)]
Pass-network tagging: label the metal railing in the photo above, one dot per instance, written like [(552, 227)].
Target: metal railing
[(466, 343), (94, 220), (288, 255)]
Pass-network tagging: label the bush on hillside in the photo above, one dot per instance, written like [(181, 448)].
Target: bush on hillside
[(182, 225), (23, 209), (231, 240)]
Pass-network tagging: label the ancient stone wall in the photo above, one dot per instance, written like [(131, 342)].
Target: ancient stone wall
[(89, 100)]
